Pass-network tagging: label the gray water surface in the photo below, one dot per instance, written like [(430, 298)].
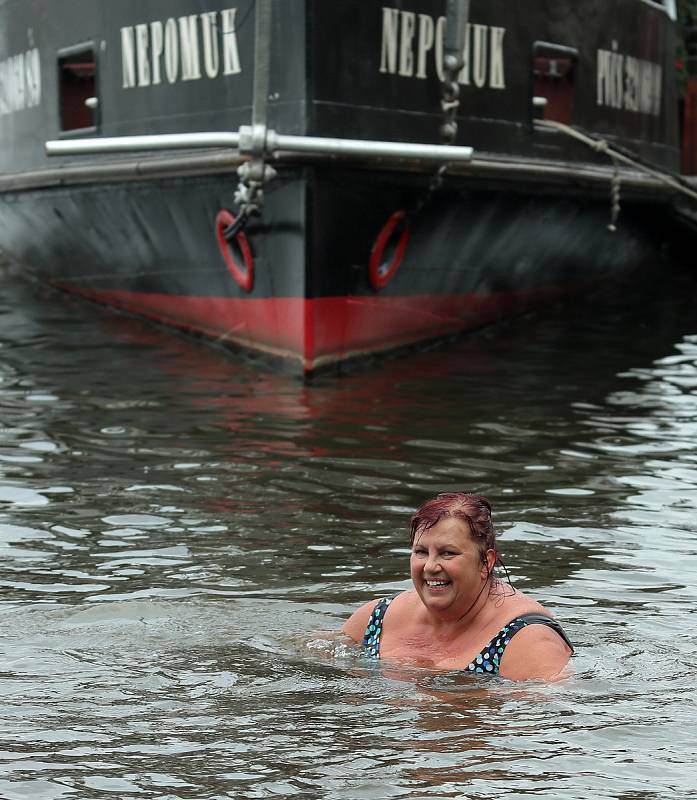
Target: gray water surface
[(178, 524)]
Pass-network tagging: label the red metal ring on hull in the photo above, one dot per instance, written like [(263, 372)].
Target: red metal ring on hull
[(244, 278), (380, 275)]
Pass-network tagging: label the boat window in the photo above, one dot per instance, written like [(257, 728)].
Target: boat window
[(553, 74), (77, 88)]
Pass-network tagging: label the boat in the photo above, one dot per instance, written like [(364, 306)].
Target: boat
[(319, 181)]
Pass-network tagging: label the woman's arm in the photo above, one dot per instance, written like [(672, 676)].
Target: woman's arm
[(356, 624), (536, 651)]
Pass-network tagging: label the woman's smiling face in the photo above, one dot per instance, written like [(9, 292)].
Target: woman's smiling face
[(447, 567)]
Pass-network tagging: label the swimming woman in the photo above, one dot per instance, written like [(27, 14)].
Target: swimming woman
[(459, 615)]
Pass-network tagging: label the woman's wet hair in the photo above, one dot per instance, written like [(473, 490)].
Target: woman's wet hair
[(474, 509)]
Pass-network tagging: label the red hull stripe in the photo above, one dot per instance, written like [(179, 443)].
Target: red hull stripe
[(322, 330)]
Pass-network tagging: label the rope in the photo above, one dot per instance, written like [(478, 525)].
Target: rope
[(602, 146)]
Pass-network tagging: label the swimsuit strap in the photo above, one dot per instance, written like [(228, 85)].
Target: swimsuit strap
[(542, 619), (371, 637), (488, 661)]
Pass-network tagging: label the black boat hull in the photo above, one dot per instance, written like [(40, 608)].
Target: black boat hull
[(324, 279)]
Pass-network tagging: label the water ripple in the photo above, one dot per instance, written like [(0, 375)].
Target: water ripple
[(178, 528)]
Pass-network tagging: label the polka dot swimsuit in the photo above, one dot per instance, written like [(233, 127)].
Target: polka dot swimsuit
[(487, 662), (371, 637)]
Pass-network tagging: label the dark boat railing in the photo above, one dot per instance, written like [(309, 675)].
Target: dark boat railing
[(257, 145), (215, 160)]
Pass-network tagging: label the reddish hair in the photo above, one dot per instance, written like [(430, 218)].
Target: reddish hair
[(474, 509)]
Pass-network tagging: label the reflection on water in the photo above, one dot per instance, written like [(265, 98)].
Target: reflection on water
[(177, 525)]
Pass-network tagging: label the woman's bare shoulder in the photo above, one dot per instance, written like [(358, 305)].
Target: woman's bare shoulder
[(356, 624), (511, 603), (536, 651)]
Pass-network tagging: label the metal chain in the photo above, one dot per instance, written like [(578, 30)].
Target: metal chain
[(254, 173), (249, 197), (615, 188), (249, 194), (449, 103)]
